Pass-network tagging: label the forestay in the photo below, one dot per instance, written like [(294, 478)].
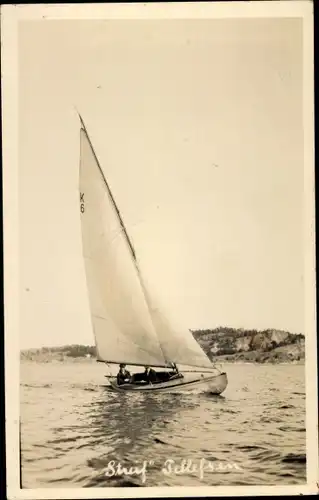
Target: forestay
[(127, 327)]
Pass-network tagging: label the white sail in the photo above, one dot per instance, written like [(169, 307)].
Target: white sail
[(177, 343), (121, 322), (127, 327)]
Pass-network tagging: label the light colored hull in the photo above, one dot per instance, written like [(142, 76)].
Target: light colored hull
[(215, 384)]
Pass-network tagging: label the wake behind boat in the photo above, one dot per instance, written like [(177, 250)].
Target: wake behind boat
[(129, 329)]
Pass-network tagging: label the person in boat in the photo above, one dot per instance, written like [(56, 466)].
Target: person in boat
[(175, 373), (174, 368), (150, 375), (123, 376)]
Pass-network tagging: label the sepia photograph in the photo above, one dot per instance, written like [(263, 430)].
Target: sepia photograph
[(163, 320)]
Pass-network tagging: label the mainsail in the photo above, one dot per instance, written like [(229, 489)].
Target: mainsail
[(126, 325)]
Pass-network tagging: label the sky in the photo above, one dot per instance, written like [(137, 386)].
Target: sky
[(198, 127)]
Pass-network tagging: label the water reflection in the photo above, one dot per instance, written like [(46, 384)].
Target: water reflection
[(127, 424)]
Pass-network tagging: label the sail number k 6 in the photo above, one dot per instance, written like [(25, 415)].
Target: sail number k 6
[(82, 208)]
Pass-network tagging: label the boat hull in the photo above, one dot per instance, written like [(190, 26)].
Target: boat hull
[(215, 384)]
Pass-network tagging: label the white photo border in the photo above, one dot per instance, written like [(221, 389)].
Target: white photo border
[(10, 18)]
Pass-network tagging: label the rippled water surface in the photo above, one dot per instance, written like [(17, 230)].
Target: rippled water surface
[(72, 427)]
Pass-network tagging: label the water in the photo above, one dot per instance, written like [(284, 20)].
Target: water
[(72, 427)]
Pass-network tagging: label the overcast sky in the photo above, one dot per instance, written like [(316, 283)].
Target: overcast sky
[(198, 127)]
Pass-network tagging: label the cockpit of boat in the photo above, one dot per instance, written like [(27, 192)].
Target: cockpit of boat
[(162, 376)]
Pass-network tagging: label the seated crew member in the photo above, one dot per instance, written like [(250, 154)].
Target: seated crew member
[(123, 376), (175, 373), (150, 375), (174, 367)]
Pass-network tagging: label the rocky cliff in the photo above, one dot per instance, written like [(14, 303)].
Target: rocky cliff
[(251, 345)]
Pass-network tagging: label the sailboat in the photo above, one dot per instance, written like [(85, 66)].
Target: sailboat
[(129, 328)]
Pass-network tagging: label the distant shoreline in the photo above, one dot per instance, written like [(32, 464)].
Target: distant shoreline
[(219, 362), (222, 345)]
